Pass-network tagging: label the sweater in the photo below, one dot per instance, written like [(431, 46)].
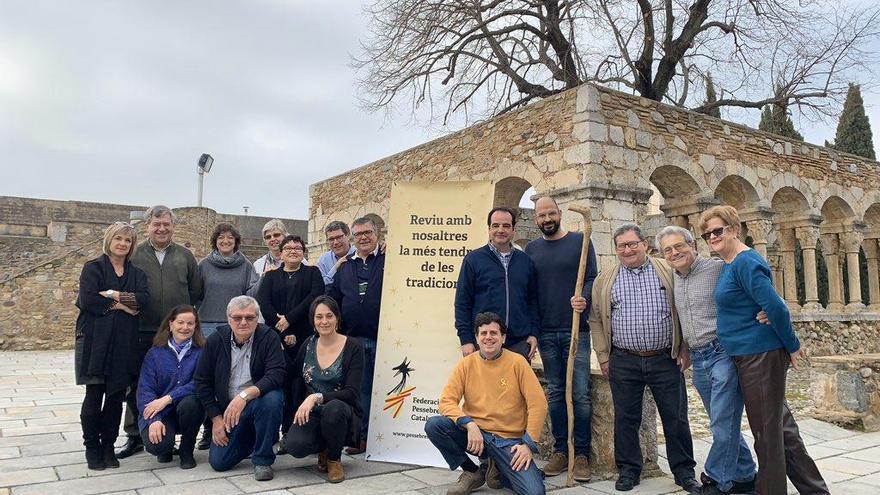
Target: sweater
[(223, 278), (290, 294), (556, 263), (176, 281), (485, 285), (744, 288), (502, 396), (360, 314), (161, 375), (212, 372)]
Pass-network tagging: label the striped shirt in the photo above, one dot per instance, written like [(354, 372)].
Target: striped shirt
[(503, 257), (695, 301), (641, 319)]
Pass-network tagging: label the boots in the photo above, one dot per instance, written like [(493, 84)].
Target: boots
[(322, 462), (187, 445), (109, 456), (335, 474), (92, 442)]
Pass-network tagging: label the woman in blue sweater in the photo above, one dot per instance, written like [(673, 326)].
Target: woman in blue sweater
[(166, 396), (762, 354)]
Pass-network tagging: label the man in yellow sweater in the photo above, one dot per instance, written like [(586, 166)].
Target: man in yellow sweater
[(501, 417)]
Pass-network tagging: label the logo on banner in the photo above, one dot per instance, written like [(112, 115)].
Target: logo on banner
[(398, 394)]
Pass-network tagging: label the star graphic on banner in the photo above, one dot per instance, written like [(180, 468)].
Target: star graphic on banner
[(380, 437), (398, 343), (392, 291), (417, 323)]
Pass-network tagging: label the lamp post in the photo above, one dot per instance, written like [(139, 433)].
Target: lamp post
[(204, 166)]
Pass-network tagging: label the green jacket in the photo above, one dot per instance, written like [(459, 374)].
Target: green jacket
[(176, 281)]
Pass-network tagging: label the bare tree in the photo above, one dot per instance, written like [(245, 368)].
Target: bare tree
[(496, 55)]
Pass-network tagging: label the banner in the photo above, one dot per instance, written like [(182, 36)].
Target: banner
[(431, 226)]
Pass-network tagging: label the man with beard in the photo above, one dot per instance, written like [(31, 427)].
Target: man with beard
[(556, 256), (500, 279)]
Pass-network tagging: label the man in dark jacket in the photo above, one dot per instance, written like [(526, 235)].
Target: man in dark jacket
[(173, 279), (357, 287), (238, 381), (500, 279)]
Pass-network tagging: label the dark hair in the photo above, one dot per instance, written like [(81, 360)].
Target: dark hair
[(164, 333), (337, 225), (365, 220), (297, 239), (331, 305), (223, 228), (504, 209), (487, 319)]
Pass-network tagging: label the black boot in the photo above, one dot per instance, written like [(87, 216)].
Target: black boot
[(95, 458), (110, 459), (92, 441)]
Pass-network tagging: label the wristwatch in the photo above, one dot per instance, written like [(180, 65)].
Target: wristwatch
[(243, 395), (110, 293), (319, 397)]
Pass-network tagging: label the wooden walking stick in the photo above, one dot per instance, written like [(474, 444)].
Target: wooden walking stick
[(575, 329)]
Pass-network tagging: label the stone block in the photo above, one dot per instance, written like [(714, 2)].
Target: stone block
[(632, 120), (707, 162), (678, 143), (615, 133), (643, 139), (587, 99), (629, 137), (614, 155), (657, 117), (590, 131)]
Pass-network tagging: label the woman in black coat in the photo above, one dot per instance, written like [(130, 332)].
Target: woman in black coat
[(111, 293), (285, 296), (327, 378)]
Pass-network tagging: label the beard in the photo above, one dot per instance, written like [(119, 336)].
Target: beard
[(549, 228)]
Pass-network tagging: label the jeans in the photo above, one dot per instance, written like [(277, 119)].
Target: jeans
[(367, 383), (554, 347), (210, 327), (716, 380), (628, 376), (256, 432), (185, 417), (326, 429), (451, 441)]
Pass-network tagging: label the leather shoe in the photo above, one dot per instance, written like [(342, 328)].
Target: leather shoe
[(743, 486), (132, 446), (205, 441), (625, 483), (690, 485), (360, 449)]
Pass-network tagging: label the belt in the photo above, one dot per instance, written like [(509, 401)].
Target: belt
[(658, 352)]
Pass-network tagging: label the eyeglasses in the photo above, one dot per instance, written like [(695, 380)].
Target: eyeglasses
[(365, 233), (681, 246), (273, 236), (336, 238), (714, 232), (630, 245), (246, 319), (295, 249)]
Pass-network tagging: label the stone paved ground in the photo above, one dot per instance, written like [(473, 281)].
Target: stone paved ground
[(41, 453)]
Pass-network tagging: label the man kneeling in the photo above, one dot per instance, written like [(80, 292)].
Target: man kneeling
[(501, 418)]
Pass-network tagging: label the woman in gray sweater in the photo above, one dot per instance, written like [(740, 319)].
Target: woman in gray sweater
[(226, 273)]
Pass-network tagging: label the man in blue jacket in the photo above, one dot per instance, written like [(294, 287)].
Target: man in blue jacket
[(357, 287), (499, 279)]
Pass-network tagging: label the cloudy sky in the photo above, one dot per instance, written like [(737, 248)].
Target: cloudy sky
[(114, 101)]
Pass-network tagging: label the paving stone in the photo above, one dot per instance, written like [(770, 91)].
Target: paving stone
[(822, 430), (54, 420), (128, 465), (820, 451), (91, 486), (12, 423), (860, 442), (433, 476), (650, 486), (52, 447), (51, 460), (174, 475), (284, 478), (846, 465), (29, 439), (870, 455), (373, 485), (36, 430), (577, 490), (853, 488), (871, 479), (212, 487), (10, 452), (28, 476), (832, 476)]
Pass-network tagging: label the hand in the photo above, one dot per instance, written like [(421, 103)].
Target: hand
[(233, 412), (474, 439), (290, 340), (762, 317), (218, 432), (157, 432), (269, 268), (282, 324), (533, 346), (467, 349), (339, 263), (302, 414), (579, 304), (123, 307), (106, 293), (798, 354), (684, 359), (382, 247), (605, 369), (155, 406), (521, 458)]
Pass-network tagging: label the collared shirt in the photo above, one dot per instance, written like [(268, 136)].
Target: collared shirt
[(695, 301), (503, 257), (327, 264), (160, 253), (240, 366), (265, 262), (493, 358), (179, 349), (355, 255), (641, 319)]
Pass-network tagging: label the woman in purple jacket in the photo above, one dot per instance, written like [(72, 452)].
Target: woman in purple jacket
[(166, 396)]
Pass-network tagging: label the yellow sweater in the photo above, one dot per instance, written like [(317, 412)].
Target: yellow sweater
[(502, 396)]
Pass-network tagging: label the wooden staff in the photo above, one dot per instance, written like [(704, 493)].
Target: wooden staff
[(575, 330)]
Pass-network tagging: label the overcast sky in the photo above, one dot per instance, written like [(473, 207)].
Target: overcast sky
[(114, 101)]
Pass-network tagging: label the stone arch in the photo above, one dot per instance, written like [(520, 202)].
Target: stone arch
[(841, 193), (836, 211), (872, 217), (787, 201), (736, 191), (673, 182), (508, 192), (803, 187)]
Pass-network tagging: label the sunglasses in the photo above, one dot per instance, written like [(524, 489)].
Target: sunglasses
[(714, 232)]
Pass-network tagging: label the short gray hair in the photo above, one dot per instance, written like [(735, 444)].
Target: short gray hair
[(242, 302), (627, 227), (159, 211), (274, 224), (674, 230)]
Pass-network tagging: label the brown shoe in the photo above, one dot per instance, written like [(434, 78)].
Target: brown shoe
[(467, 483), (581, 468), (335, 474), (360, 449), (558, 464), (322, 462), (493, 475)]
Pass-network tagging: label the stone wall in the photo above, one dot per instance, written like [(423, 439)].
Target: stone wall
[(846, 390), (44, 244), (831, 335)]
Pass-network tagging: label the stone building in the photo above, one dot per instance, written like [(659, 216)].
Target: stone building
[(634, 159), (44, 243)]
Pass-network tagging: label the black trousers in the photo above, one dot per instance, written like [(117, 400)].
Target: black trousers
[(100, 415), (185, 417), (143, 344), (778, 442), (328, 426), (628, 377)]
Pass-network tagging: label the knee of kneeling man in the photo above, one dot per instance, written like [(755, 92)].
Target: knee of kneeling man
[(435, 424)]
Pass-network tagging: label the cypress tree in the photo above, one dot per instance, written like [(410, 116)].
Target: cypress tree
[(854, 128), (775, 119)]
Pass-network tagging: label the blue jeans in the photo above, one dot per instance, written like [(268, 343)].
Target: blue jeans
[(210, 327), (367, 383), (451, 441), (716, 381), (255, 433), (554, 348)]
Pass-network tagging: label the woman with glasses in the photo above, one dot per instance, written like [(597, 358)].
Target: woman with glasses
[(762, 355), (226, 273), (112, 292), (285, 295)]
